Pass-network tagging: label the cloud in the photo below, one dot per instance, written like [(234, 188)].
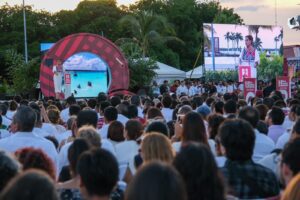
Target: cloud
[(84, 61), (250, 8)]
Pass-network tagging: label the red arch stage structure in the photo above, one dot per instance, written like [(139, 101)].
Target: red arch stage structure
[(91, 43)]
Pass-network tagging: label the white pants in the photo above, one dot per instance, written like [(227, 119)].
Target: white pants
[(57, 78)]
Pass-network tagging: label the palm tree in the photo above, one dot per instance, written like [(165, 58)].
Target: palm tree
[(257, 44), (238, 38), (147, 28), (255, 29), (232, 38), (227, 38)]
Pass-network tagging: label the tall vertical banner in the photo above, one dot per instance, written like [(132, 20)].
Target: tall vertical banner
[(284, 86), (250, 87), (244, 72)]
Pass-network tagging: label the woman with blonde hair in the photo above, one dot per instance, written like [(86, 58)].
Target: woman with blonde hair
[(157, 147), (292, 191)]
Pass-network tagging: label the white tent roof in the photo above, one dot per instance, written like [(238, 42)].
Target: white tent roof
[(166, 72), (197, 73)]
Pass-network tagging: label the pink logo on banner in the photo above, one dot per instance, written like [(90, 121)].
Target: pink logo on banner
[(249, 88), (283, 85), (244, 72), (67, 79)]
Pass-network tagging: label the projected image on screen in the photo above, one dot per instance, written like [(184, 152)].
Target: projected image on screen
[(239, 45), (88, 74)]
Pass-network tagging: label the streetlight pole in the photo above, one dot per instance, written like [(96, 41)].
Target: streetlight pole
[(25, 33)]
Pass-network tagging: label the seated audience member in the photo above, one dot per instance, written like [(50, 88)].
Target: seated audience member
[(98, 175), (116, 132), (122, 109), (63, 137), (263, 144), (3, 111), (290, 162), (154, 114), (218, 107), (157, 126), (23, 123), (136, 101), (153, 182), (191, 130), (214, 121), (39, 124), (166, 110), (157, 147), (12, 108), (102, 107), (292, 190), (3, 132), (246, 179), (74, 110), (110, 115), (70, 188), (65, 113), (133, 113), (199, 171), (30, 185), (275, 119), (54, 117), (230, 109), (290, 127), (9, 168), (84, 118), (31, 158)]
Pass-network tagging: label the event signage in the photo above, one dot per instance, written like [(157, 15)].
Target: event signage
[(249, 88), (244, 72), (284, 86)]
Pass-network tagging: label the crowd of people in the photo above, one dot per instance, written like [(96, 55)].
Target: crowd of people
[(208, 145)]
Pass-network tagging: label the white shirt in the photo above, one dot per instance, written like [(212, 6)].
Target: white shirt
[(282, 140), (104, 131), (262, 147), (4, 133), (211, 143), (10, 114), (63, 136), (220, 160), (125, 151), (140, 112), (64, 115), (20, 140), (272, 162), (5, 121), (288, 124), (59, 128), (167, 113), (121, 118), (182, 90), (49, 128), (40, 132)]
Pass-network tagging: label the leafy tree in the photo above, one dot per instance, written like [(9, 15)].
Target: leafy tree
[(269, 68), (24, 75), (148, 28)]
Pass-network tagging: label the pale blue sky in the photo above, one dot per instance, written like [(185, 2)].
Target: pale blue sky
[(252, 11)]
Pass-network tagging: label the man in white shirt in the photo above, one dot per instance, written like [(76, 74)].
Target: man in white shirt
[(136, 100), (110, 115), (166, 110), (23, 123), (85, 117), (182, 89), (5, 121), (64, 114), (263, 144)]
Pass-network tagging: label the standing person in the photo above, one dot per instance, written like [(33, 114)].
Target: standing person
[(164, 88), (57, 78), (249, 55)]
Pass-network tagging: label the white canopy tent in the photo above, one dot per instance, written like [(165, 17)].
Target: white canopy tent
[(197, 73), (166, 72)]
